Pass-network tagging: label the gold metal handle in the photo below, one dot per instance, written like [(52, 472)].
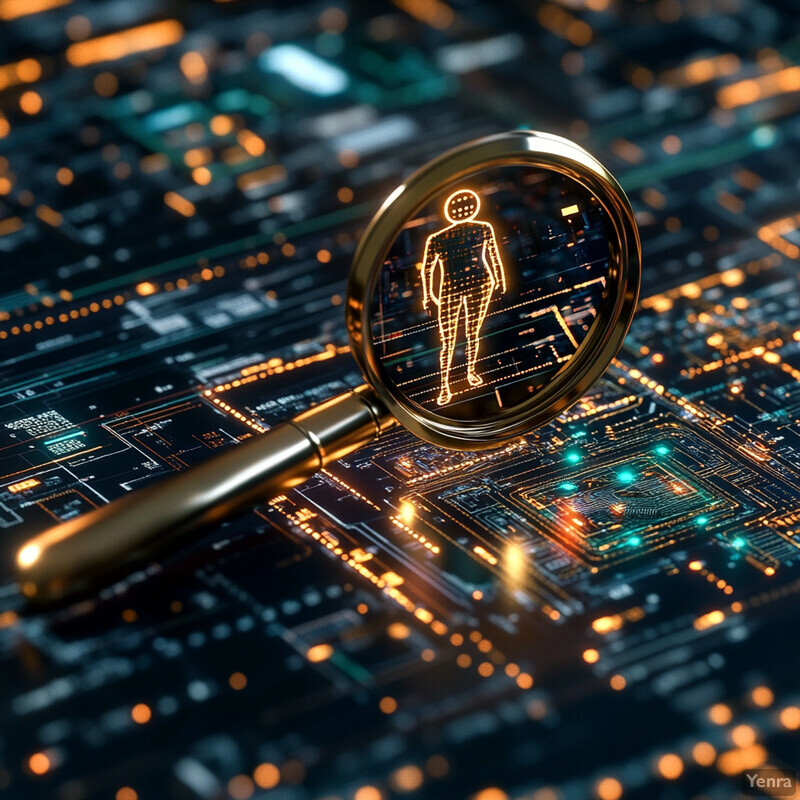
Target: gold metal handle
[(93, 550)]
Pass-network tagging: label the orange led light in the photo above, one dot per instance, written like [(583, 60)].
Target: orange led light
[(179, 204), (14, 9), (39, 764), (141, 713), (124, 43), (23, 485), (319, 652)]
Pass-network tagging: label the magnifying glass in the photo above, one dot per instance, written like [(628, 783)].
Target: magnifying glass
[(490, 291)]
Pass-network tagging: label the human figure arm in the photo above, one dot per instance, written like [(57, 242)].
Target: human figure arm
[(495, 263), (427, 270)]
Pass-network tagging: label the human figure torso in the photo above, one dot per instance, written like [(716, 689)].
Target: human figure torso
[(460, 248)]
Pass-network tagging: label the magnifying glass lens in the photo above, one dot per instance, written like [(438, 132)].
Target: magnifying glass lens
[(488, 291)]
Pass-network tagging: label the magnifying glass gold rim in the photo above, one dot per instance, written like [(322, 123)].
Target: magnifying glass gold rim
[(605, 336)]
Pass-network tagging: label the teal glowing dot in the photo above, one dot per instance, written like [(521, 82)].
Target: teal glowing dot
[(573, 457), (662, 450), (567, 487), (702, 520), (626, 476), (739, 543), (633, 541), (578, 434), (764, 136)]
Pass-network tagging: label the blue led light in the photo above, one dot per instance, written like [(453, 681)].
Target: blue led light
[(626, 476), (702, 520), (634, 540), (573, 457), (662, 450), (738, 542), (567, 486), (304, 69)]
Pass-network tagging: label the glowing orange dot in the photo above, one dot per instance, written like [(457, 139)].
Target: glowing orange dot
[(129, 615), (345, 194), (762, 696), (368, 793), (608, 789), (492, 793), (30, 102), (743, 735), (267, 775), (670, 766), (201, 176), (38, 763), (695, 566), (237, 681), (221, 125), (126, 793), (408, 778), (388, 705), (704, 754), (485, 670), (790, 718), (29, 70), (319, 652), (769, 571), (618, 683), (141, 713), (65, 176), (524, 681), (323, 256), (720, 714), (591, 656)]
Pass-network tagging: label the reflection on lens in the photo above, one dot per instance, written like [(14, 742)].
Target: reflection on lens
[(489, 290)]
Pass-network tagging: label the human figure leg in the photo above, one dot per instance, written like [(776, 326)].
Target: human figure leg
[(449, 311), (477, 304)]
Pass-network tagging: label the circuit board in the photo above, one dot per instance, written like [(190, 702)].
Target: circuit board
[(604, 608)]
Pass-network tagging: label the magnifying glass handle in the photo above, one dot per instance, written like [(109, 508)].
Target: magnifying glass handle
[(91, 551)]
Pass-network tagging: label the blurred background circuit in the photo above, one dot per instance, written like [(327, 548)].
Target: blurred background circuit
[(605, 609)]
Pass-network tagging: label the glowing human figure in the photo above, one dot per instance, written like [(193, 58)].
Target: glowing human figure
[(470, 269)]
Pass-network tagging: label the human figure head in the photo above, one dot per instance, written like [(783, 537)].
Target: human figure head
[(461, 206)]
